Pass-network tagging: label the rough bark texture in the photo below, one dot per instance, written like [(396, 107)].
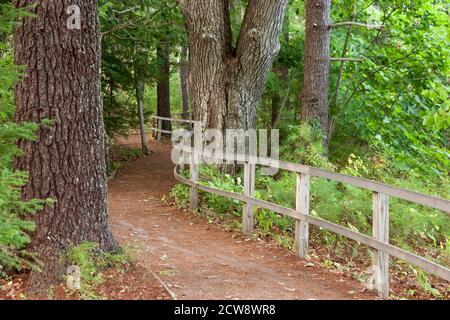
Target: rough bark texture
[(67, 161), (317, 63), (163, 87), (227, 83), (184, 83)]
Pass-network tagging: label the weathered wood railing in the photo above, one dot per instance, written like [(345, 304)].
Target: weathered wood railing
[(379, 241), (157, 126)]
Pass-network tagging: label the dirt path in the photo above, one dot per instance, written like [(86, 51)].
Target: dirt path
[(200, 261)]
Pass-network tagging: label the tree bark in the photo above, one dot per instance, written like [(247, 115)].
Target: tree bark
[(139, 86), (67, 160), (163, 87), (227, 83), (317, 63), (184, 76)]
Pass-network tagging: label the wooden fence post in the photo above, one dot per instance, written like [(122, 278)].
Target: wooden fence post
[(159, 128), (193, 169), (380, 260), (181, 162), (249, 191), (302, 206)]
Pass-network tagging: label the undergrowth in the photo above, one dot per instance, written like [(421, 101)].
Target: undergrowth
[(92, 263), (415, 228)]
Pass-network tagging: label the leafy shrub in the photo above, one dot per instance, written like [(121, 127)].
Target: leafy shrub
[(181, 195), (304, 144), (212, 177), (412, 227)]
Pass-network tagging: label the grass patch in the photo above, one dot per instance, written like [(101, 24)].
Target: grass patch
[(92, 262)]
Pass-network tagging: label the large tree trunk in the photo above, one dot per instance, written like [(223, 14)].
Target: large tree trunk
[(67, 161), (184, 76), (163, 86), (139, 86), (227, 83), (317, 63)]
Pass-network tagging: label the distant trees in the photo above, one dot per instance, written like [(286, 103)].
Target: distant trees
[(66, 162), (280, 94), (163, 86), (317, 58), (137, 42)]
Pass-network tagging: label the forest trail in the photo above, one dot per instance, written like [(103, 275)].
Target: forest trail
[(197, 260)]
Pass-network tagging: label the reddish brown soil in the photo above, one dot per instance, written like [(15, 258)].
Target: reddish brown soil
[(197, 260), (134, 282)]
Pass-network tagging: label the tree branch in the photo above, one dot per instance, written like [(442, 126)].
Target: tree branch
[(348, 59), (356, 24)]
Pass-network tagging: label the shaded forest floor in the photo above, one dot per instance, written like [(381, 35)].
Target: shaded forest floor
[(200, 260), (133, 282)]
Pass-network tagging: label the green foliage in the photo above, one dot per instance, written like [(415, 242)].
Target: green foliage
[(412, 227), (424, 283), (92, 262), (212, 177), (181, 195), (396, 101), (14, 229), (303, 144)]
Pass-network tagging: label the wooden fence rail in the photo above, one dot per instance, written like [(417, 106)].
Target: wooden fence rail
[(379, 241), (158, 121)]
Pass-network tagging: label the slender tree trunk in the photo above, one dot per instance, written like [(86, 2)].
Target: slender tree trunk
[(67, 160), (139, 86), (317, 63), (184, 76), (163, 87), (335, 98), (227, 83)]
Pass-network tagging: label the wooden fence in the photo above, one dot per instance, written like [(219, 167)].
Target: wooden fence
[(379, 241), (157, 127)]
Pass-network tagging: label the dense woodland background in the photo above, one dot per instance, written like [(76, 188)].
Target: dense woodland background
[(388, 115)]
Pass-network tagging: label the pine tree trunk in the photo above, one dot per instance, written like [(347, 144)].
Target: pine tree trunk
[(227, 83), (317, 63), (67, 161), (184, 75), (163, 87)]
